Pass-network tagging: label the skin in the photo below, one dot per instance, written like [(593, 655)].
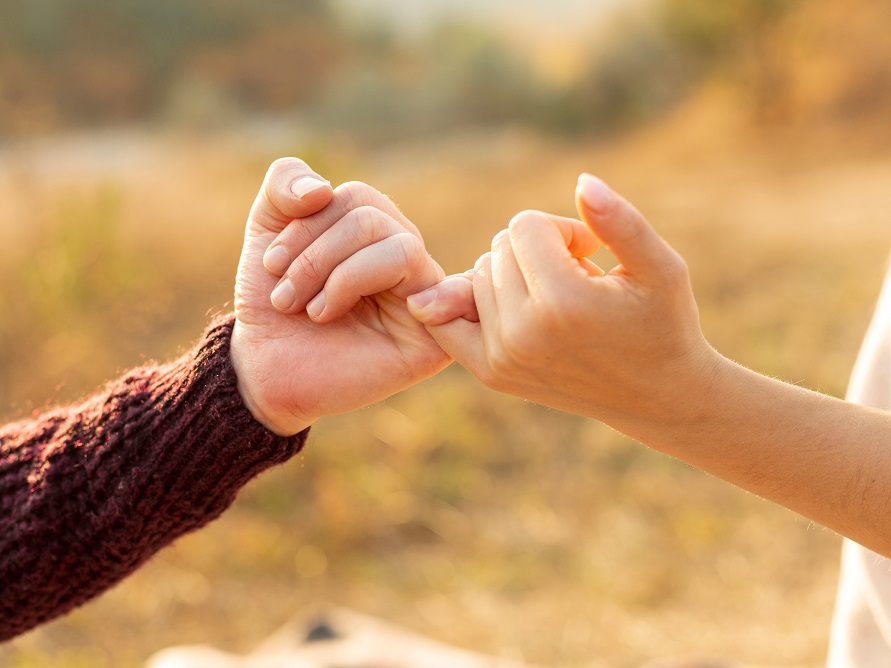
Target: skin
[(352, 254), (626, 348)]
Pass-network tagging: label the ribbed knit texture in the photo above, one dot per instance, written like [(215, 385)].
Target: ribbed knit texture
[(90, 492)]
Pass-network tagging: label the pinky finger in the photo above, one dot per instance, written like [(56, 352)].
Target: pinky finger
[(451, 298), (462, 340)]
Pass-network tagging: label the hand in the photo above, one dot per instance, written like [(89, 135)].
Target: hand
[(353, 258), (624, 347)]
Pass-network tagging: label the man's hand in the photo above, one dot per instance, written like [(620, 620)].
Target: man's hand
[(322, 325)]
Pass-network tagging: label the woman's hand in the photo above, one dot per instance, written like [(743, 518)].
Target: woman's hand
[(322, 325), (624, 347)]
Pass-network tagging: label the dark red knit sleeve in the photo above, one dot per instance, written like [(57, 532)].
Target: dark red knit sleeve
[(90, 492)]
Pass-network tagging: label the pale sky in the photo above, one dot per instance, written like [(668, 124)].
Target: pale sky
[(551, 16)]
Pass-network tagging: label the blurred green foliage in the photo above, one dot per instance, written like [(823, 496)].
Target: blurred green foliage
[(76, 63), (90, 62), (710, 32)]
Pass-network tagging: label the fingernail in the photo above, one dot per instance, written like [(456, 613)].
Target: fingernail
[(421, 300), (303, 187), (283, 295), (595, 193), (277, 259), (317, 305)]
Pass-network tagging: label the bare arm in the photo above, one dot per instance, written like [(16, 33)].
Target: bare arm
[(827, 459), (626, 348)]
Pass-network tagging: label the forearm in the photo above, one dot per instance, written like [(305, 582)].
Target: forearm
[(89, 493), (625, 347), (827, 459)]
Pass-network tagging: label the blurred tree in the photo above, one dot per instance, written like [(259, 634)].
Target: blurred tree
[(70, 63), (739, 39), (462, 74), (650, 62), (487, 79), (99, 61), (631, 77)]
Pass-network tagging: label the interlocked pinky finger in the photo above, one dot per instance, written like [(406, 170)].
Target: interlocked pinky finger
[(451, 298)]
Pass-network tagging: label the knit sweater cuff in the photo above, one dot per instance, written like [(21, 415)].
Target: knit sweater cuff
[(206, 428), (90, 492)]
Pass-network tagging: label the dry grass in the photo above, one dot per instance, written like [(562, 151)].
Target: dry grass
[(478, 519)]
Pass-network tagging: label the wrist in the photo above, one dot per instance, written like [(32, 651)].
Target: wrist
[(689, 405), (252, 396), (722, 405)]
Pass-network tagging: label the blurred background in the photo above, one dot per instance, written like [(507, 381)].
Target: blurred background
[(133, 137)]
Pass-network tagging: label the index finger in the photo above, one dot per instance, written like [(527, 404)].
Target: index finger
[(348, 197), (549, 247)]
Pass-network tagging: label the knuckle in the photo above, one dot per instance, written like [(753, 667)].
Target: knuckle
[(500, 239), (345, 285), (343, 276), (675, 272), (410, 249), (297, 238), (370, 224), (526, 220), (283, 166), (483, 262), (307, 268), (356, 194), (408, 253)]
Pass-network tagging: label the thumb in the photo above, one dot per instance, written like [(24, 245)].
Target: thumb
[(290, 190), (449, 299), (621, 228)]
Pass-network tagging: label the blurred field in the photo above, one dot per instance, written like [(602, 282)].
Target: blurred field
[(477, 519)]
